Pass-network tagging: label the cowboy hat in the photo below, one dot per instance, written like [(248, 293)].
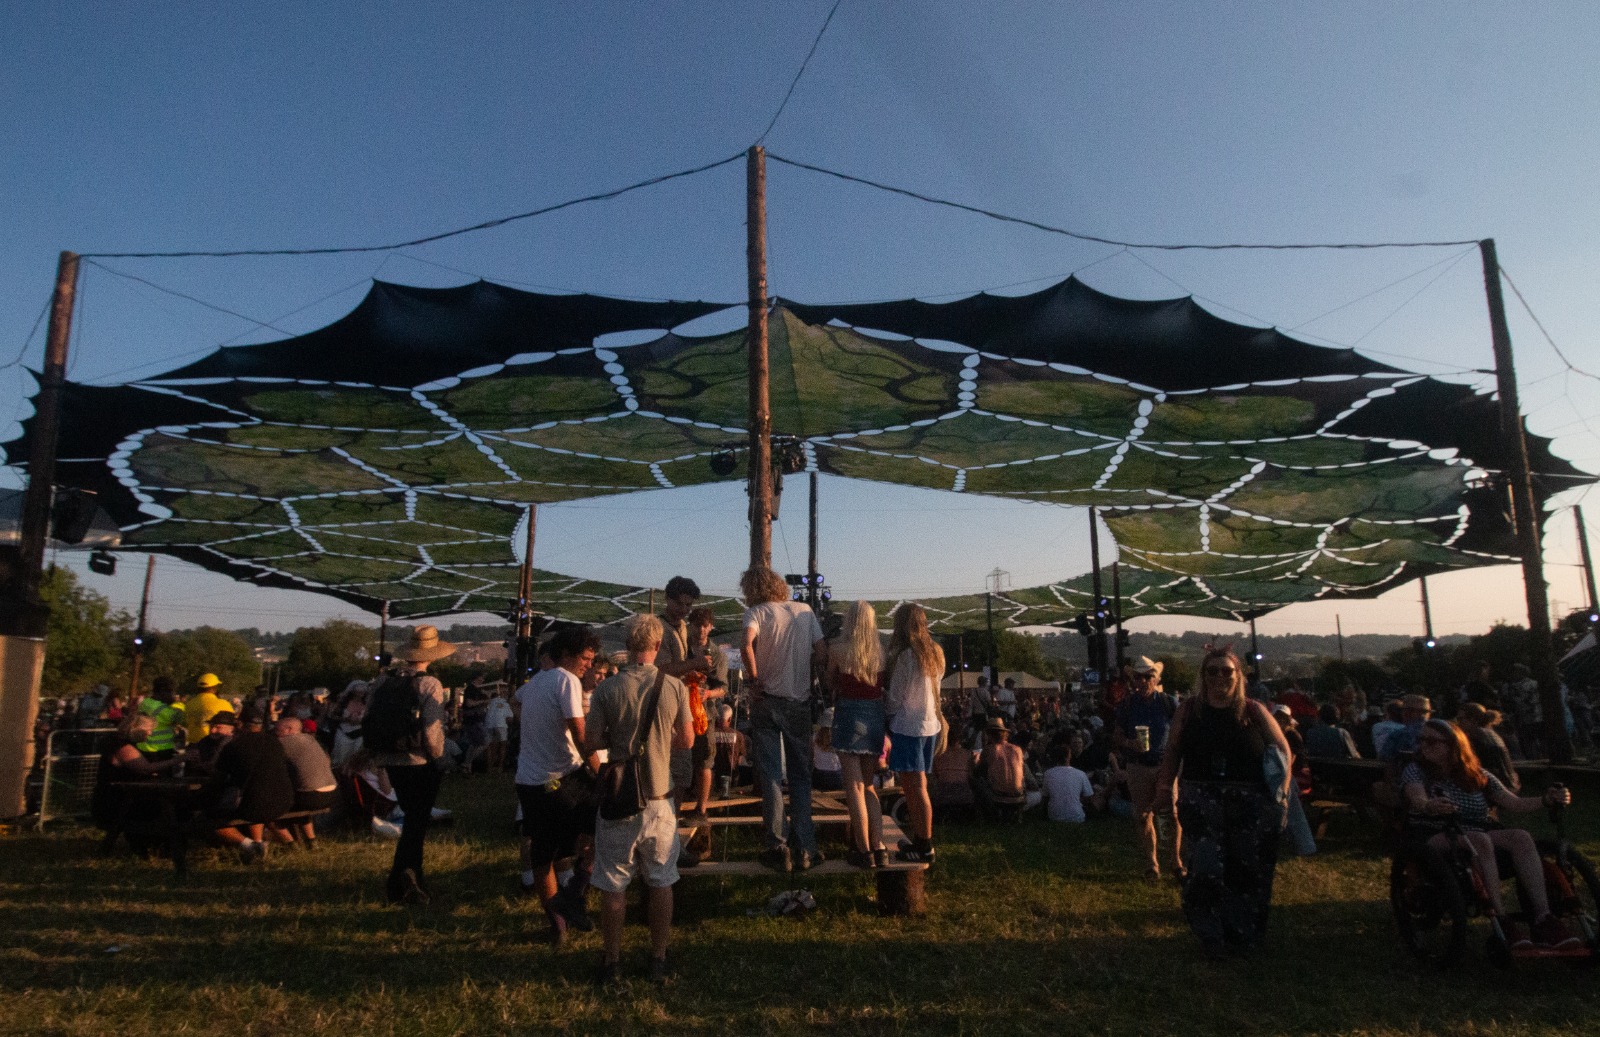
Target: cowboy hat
[(425, 646)]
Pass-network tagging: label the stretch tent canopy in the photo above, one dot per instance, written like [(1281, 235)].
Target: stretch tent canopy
[(391, 455)]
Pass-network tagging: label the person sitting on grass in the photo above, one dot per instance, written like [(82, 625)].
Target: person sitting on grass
[(251, 784), (999, 775), (315, 787), (1067, 789)]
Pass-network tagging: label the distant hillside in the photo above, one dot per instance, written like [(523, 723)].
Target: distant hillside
[(1288, 653)]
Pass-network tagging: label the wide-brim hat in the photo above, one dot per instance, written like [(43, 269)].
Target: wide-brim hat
[(1145, 664), (1417, 702), (425, 646), (996, 724)]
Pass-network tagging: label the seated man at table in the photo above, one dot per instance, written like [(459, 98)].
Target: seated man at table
[(251, 783), (115, 806), (201, 757), (315, 787)]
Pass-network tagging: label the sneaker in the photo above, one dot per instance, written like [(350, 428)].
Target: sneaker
[(660, 971), (915, 856), (805, 860), (776, 858), (1517, 936), (880, 858), (858, 858), (904, 845), (252, 852), (1552, 932)]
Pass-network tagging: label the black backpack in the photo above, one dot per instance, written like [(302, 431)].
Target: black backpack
[(393, 722)]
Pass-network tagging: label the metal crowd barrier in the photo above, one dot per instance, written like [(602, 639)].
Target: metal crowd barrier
[(71, 764)]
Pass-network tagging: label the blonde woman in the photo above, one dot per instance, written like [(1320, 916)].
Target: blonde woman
[(916, 665), (855, 676)]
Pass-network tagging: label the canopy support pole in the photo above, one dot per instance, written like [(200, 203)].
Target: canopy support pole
[(1588, 563), (1255, 652), (813, 590), (1116, 599), (1427, 613), (23, 617), (138, 637), (1097, 639), (383, 635), (1541, 652), (526, 657), (760, 418)]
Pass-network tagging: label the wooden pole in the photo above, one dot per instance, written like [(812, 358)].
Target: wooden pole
[(383, 634), (1116, 600), (138, 637), (1097, 640), (1541, 652), (527, 660), (760, 409), (813, 588), (1338, 631), (1588, 563), (43, 436), (1427, 613), (1255, 652)]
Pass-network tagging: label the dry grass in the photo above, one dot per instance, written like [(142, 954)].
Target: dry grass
[(1031, 929)]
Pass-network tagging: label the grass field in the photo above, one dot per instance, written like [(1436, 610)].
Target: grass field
[(1033, 928)]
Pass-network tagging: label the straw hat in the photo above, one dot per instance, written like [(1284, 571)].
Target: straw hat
[(1144, 664), (425, 646)]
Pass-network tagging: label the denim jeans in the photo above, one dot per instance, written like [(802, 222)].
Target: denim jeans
[(780, 738), (416, 789)]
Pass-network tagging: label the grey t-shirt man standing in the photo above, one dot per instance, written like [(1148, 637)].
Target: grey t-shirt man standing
[(782, 642), (646, 843)]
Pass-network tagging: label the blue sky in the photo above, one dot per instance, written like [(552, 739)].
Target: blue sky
[(135, 127)]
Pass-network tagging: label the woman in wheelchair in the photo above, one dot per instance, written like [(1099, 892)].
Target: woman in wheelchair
[(1446, 787)]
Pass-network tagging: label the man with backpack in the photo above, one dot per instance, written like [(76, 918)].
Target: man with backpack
[(644, 714), (1140, 732), (403, 730)]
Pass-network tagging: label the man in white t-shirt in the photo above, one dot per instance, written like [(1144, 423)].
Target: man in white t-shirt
[(555, 785), (1066, 787), (782, 642)]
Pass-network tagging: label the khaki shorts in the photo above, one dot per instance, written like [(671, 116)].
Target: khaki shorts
[(1142, 790), (645, 844)]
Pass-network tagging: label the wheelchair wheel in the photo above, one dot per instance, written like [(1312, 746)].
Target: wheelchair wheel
[(1429, 910), (1579, 902)]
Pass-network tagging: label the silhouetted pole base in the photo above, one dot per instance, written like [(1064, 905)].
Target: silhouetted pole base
[(901, 893), (21, 666)]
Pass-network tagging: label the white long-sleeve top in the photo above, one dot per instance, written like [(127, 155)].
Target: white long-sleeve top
[(912, 700)]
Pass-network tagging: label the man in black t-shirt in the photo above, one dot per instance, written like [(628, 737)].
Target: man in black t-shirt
[(252, 763)]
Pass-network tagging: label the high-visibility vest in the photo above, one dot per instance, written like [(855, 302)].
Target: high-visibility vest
[(168, 716)]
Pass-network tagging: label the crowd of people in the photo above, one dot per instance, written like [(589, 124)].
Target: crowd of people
[(612, 756)]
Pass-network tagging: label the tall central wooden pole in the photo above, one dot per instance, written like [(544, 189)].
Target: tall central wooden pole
[(760, 420), (139, 635), (1541, 653)]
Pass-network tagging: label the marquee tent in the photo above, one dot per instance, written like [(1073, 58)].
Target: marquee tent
[(392, 455)]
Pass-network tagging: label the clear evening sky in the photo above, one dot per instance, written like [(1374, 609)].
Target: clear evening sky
[(153, 127)]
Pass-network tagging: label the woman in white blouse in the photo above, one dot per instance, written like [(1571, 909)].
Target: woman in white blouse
[(916, 665)]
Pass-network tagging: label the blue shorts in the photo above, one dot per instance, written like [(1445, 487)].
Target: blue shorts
[(909, 754), (858, 727)]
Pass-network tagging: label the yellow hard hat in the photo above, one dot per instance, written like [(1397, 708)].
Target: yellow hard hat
[(209, 680)]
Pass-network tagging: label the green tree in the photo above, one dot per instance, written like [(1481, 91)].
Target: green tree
[(1178, 675), (330, 655), (184, 655), (84, 643), (1012, 651)]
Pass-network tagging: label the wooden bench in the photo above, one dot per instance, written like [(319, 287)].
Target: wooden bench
[(900, 885)]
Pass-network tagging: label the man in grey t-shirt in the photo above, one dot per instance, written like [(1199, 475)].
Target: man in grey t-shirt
[(646, 843)]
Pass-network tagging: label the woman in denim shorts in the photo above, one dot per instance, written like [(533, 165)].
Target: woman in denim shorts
[(916, 665), (855, 676)]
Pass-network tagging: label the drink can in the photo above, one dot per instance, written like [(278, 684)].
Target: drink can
[(1141, 737)]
